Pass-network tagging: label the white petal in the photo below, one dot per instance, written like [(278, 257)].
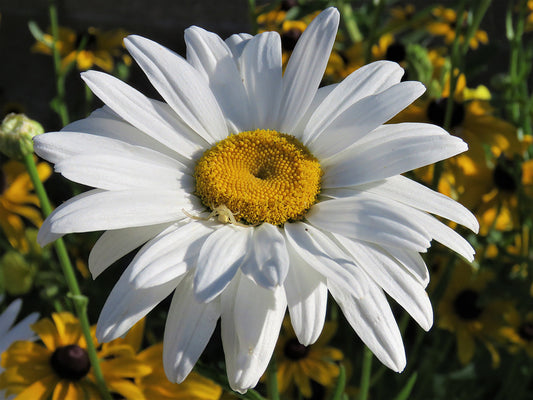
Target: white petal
[(126, 305), (104, 122), (268, 262), (21, 331), (414, 194), (220, 257), (393, 278), (170, 254), (120, 171), (115, 244), (390, 150), (371, 318), (324, 256), (261, 73), (412, 261), (362, 117), (257, 316), (208, 53), (306, 67), (319, 97), (143, 113), (97, 210), (236, 43), (362, 217), (365, 81), (181, 86), (188, 329), (307, 297), (9, 315)]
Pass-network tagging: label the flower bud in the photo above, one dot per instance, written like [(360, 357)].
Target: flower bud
[(17, 273), (16, 135)]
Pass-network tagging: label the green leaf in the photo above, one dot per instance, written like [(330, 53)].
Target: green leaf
[(338, 393), (406, 391)]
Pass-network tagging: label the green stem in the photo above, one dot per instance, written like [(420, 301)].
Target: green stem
[(272, 380), (80, 301), (253, 16), (61, 105), (365, 374), (350, 23), (372, 38)]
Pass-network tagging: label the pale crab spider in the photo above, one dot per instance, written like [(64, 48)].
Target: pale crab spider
[(223, 214)]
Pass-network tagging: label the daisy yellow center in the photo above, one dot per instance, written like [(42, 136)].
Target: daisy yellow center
[(259, 176)]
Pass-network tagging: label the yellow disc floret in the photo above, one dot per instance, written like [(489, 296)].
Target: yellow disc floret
[(260, 176)]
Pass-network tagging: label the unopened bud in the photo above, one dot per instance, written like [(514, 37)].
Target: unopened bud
[(16, 135), (17, 273)]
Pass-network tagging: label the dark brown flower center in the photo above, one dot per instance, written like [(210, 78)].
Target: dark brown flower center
[(465, 305), (294, 350), (289, 38), (286, 5), (504, 175), (395, 52), (436, 112), (70, 362), (526, 331)]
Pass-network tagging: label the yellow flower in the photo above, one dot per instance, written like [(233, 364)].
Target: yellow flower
[(460, 311), (101, 47), (16, 201), (61, 368), (299, 364), (156, 386), (444, 25), (387, 48)]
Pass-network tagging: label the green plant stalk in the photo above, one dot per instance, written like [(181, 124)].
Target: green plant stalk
[(372, 37), (80, 301), (272, 380), (366, 371), (350, 23), (62, 109), (338, 392), (252, 16)]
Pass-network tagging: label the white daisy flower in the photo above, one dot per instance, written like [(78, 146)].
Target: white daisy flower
[(252, 191)]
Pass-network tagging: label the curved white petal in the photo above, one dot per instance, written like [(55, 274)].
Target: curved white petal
[(170, 254), (220, 257), (208, 53), (118, 171), (324, 256), (412, 262), (97, 210), (257, 314), (390, 150), (393, 278), (181, 86), (319, 97), (188, 329), (142, 112), (362, 217), (414, 194), (307, 297), (236, 43), (306, 67), (365, 81), (126, 305), (362, 117), (261, 74), (104, 122), (115, 244), (268, 262), (371, 318)]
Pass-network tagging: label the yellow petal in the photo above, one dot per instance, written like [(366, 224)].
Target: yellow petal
[(40, 390)]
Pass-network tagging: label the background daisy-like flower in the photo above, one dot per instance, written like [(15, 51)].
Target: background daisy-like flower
[(61, 368), (254, 191)]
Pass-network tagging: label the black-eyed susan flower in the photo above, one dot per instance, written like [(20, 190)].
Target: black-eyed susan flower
[(298, 365), (462, 311), (60, 366), (101, 48), (252, 191), (519, 332), (156, 386), (18, 203)]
